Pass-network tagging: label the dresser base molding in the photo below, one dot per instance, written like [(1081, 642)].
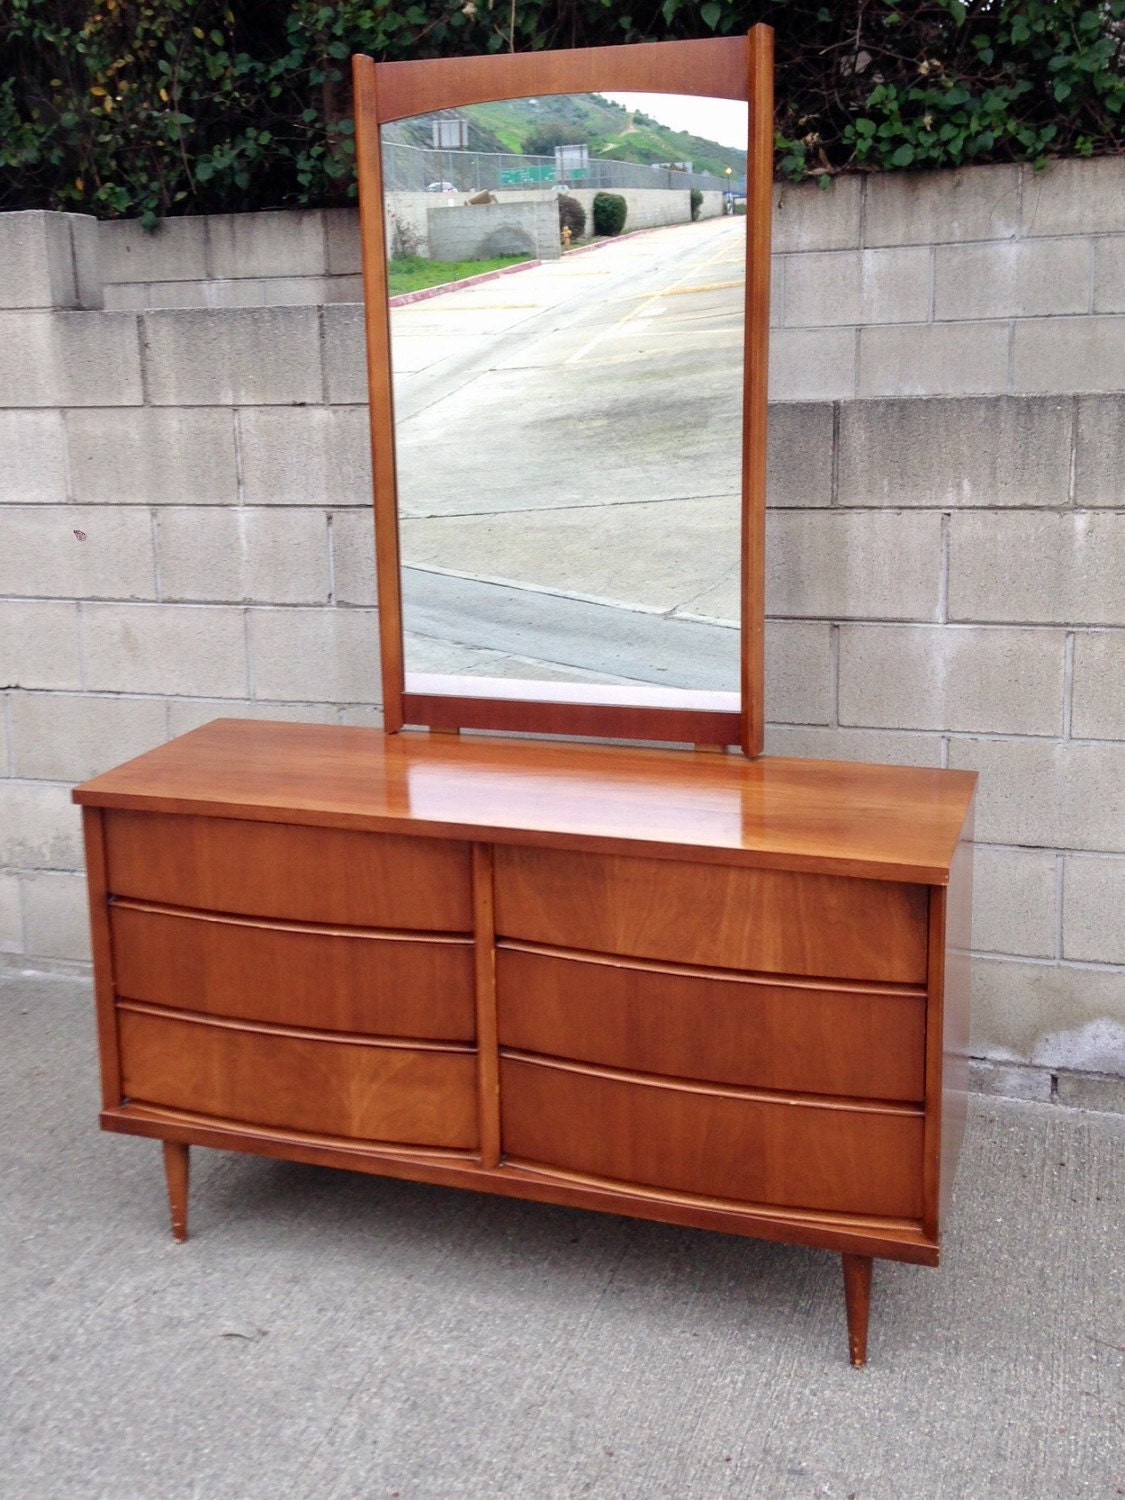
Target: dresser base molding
[(710, 992)]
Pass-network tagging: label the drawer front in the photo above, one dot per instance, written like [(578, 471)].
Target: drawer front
[(719, 915), (719, 1028), (288, 871), (718, 1145), (377, 984), (297, 1081)]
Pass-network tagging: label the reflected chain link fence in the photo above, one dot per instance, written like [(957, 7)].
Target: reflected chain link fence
[(413, 169)]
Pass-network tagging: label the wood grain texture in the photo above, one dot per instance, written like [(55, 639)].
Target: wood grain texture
[(759, 210), (333, 979), (890, 1238), (880, 822), (857, 1298), (293, 873), (488, 1077), (711, 1026), (716, 1142), (712, 67), (610, 712), (777, 921), (300, 1080), (176, 1175), (380, 386), (93, 834)]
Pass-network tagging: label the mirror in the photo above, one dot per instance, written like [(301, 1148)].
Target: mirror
[(567, 457), (567, 435)]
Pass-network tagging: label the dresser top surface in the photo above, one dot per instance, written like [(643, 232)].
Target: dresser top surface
[(885, 822)]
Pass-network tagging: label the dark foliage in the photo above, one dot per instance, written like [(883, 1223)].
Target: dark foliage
[(572, 216), (609, 213), (152, 107)]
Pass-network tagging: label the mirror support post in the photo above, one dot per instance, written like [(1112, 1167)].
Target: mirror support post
[(759, 203), (369, 169)]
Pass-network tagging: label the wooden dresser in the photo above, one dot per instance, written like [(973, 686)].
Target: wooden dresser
[(691, 987)]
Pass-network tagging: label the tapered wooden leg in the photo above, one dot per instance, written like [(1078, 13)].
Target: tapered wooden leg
[(857, 1295), (176, 1174)]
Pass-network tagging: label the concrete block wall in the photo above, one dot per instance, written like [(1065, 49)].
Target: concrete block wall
[(482, 230), (186, 533)]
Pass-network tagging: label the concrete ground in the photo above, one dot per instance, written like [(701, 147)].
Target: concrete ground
[(326, 1335), (567, 442)]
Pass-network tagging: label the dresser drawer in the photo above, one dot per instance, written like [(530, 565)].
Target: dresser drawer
[(290, 871), (723, 916), (292, 1080), (343, 980), (715, 1027), (711, 1142)]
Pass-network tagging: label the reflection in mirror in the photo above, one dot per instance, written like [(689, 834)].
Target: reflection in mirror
[(568, 434)]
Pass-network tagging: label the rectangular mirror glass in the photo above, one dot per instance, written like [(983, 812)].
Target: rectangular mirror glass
[(568, 435)]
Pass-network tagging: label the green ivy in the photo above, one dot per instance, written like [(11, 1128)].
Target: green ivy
[(156, 107)]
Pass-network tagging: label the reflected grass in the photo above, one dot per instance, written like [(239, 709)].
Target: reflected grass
[(414, 273)]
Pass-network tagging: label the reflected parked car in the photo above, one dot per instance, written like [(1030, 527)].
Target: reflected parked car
[(440, 187)]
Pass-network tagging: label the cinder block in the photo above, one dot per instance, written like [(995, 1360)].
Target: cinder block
[(275, 556), (1012, 279), (176, 250), (353, 558), (1076, 197), (69, 359), (1098, 687), (1040, 792), (1099, 477), (184, 649), (853, 565), (153, 456), (185, 714), (934, 359), (11, 913), (816, 364), (798, 672), (858, 286), (257, 356), (1015, 907), (362, 716), (72, 551), (343, 289), (1082, 1090), (1093, 904), (32, 458), (808, 217), (315, 655), (1038, 567), (1109, 275), (952, 678), (73, 736), (286, 243), (1010, 1080), (1069, 354), (934, 208), (810, 742), (1053, 1015), (974, 451), (345, 356), (37, 260), (39, 644), (85, 240), (289, 291), (341, 232), (317, 456), (57, 916), (39, 828), (799, 468)]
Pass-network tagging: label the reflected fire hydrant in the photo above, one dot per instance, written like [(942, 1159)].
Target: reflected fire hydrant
[(565, 236)]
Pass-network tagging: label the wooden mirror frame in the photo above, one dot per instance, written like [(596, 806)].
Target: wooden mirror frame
[(722, 67)]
